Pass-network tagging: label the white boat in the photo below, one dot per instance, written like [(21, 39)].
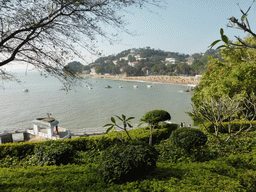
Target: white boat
[(149, 86), (25, 90), (108, 86), (120, 86), (135, 86), (89, 87), (62, 88)]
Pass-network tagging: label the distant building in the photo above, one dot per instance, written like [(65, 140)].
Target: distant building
[(190, 60), (115, 62), (121, 69), (146, 70), (124, 58), (107, 61), (170, 61), (133, 63), (93, 72)]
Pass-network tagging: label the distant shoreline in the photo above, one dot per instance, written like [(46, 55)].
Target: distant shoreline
[(182, 80)]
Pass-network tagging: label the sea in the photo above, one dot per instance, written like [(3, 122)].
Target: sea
[(84, 107)]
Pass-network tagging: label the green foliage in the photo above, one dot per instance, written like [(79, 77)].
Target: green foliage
[(51, 178), (87, 157), (242, 143), (74, 67), (171, 153), (52, 153), (156, 116), (21, 150), (232, 76), (153, 118), (124, 120), (233, 170), (224, 128), (233, 173), (17, 149), (169, 126), (188, 138), (125, 162)]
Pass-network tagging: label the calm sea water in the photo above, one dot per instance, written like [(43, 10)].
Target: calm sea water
[(87, 108)]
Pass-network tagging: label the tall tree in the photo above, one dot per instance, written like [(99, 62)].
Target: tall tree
[(231, 77), (45, 33)]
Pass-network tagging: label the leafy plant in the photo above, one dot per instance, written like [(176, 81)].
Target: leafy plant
[(125, 121), (128, 161)]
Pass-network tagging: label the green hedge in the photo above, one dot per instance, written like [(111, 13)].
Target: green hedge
[(233, 173), (88, 143), (224, 129)]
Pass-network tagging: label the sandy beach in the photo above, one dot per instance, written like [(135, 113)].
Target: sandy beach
[(153, 78)]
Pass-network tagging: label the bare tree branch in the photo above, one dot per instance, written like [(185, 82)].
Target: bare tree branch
[(46, 32)]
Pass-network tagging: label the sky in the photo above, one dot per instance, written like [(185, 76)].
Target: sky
[(184, 26)]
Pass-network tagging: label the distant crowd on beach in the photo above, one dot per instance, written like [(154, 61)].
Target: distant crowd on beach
[(158, 78)]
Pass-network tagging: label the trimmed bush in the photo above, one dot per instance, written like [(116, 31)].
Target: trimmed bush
[(17, 149), (127, 162), (188, 138), (52, 153), (21, 150)]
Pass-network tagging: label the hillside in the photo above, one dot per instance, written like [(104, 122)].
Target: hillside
[(148, 61)]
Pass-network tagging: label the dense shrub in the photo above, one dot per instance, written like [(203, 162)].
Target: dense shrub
[(224, 128), (233, 173), (169, 126), (17, 149), (21, 150), (188, 138), (52, 153), (126, 162)]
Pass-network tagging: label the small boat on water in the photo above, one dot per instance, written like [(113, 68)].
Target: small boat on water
[(135, 86), (89, 87), (120, 86), (108, 86), (149, 86), (25, 90), (62, 88)]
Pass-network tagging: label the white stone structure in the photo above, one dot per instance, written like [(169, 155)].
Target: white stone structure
[(44, 127)]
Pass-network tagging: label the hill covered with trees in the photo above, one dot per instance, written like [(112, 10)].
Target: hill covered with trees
[(146, 61)]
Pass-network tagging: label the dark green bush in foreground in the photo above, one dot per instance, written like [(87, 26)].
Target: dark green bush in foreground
[(188, 138), (126, 162)]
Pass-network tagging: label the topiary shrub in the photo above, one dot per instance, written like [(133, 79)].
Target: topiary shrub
[(52, 153), (188, 138), (126, 162)]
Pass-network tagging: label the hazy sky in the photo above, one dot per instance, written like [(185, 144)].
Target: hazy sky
[(185, 26)]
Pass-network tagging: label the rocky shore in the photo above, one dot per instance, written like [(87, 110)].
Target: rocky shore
[(153, 78)]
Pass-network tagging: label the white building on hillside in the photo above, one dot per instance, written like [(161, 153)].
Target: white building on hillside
[(170, 61), (93, 72)]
